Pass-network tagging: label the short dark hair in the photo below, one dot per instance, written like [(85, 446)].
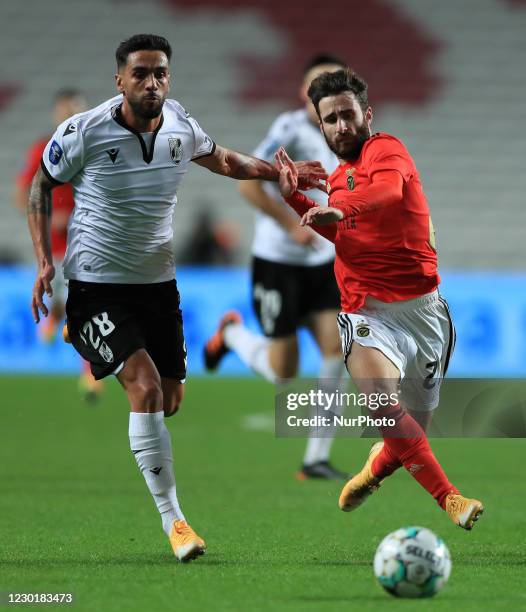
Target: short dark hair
[(141, 42), (334, 83), (320, 59)]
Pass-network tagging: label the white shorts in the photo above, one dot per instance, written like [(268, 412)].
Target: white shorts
[(417, 335)]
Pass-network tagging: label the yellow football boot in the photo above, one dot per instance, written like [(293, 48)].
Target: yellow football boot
[(462, 511), (361, 486), (186, 544)]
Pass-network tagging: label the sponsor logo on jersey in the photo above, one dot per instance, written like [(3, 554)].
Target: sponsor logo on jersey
[(113, 154), (55, 153), (363, 330), (105, 352), (70, 129), (176, 150), (350, 178)]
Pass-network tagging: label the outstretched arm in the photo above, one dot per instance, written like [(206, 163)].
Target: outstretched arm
[(385, 189), (288, 185), (242, 166), (39, 221)]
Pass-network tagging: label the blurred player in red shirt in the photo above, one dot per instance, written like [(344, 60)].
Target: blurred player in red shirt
[(67, 102), (396, 331)]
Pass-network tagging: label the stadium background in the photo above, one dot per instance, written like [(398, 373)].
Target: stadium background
[(451, 87)]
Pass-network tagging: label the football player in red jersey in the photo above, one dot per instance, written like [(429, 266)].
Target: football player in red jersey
[(396, 331), (67, 102)]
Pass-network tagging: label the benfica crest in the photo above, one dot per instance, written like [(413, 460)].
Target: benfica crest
[(362, 330), (176, 150), (350, 178)]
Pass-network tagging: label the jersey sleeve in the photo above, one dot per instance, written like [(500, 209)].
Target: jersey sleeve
[(386, 153), (301, 204), (204, 145), (279, 135), (63, 156)]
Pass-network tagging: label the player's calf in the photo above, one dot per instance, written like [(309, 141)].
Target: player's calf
[(173, 393)]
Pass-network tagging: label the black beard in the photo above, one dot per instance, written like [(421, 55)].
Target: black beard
[(351, 150), (142, 111)]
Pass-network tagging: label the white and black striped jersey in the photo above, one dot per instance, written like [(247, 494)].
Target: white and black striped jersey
[(302, 140), (125, 187)]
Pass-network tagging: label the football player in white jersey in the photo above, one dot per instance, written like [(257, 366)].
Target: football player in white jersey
[(125, 159), (293, 282)]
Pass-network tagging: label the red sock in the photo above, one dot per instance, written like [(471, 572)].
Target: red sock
[(385, 464), (414, 453)]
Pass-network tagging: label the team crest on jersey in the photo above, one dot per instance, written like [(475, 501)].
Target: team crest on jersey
[(105, 352), (362, 330), (176, 150), (55, 153), (350, 178)]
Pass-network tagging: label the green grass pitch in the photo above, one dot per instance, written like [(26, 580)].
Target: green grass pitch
[(76, 515)]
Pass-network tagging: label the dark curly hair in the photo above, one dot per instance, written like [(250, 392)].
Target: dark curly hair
[(334, 83), (141, 42)]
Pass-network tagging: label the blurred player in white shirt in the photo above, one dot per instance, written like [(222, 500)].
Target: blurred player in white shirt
[(293, 282)]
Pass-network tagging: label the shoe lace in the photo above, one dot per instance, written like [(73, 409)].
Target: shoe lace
[(184, 530), (455, 503), (181, 528)]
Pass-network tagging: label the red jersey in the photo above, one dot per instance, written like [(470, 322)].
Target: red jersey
[(383, 249), (62, 195)]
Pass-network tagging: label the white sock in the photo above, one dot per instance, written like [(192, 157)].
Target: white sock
[(332, 379), (251, 348), (151, 444)]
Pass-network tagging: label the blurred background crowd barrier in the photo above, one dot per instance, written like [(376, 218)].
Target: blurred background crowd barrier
[(491, 342), (446, 77)]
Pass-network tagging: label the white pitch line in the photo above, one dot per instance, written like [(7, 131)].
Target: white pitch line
[(258, 421)]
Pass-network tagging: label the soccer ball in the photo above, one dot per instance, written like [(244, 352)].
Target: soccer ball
[(412, 562)]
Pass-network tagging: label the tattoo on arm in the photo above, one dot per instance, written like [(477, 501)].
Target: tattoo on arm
[(39, 217), (40, 195)]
